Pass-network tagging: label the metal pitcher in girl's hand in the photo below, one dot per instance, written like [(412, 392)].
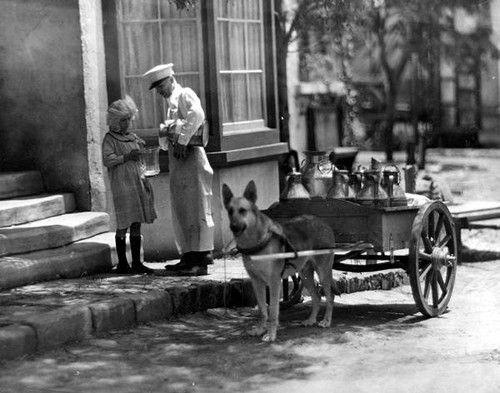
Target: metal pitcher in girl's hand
[(317, 173), (150, 161)]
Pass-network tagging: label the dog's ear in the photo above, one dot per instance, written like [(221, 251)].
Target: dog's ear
[(251, 192), (227, 194)]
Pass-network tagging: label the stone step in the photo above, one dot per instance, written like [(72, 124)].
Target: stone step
[(52, 232), (28, 209), (94, 255), (16, 184), (82, 258)]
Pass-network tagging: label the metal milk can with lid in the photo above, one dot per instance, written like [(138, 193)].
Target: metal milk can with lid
[(391, 178), (341, 187), (372, 193), (317, 173), (294, 188)]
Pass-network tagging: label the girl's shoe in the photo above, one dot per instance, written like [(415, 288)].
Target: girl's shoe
[(139, 268), (123, 268)]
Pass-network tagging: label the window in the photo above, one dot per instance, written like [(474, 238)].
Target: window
[(153, 32), (460, 95), (241, 64), (222, 49)]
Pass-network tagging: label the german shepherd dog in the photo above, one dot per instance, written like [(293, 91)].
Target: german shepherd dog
[(257, 234)]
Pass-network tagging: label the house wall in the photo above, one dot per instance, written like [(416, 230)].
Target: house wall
[(42, 116), (96, 99)]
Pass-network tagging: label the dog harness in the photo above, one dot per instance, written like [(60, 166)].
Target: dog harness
[(272, 231)]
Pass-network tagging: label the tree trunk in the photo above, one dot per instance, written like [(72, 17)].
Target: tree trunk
[(390, 116)]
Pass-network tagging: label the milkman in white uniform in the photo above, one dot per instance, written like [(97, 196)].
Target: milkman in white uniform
[(190, 174)]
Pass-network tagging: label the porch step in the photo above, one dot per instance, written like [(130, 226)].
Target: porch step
[(43, 238), (93, 255), (21, 210), (52, 232), (16, 184), (74, 260)]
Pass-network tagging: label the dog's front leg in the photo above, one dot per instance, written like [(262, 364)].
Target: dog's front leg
[(259, 288), (274, 306)]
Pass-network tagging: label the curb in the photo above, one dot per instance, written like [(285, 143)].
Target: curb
[(44, 331), (71, 261)]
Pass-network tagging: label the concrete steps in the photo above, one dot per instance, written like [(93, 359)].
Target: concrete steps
[(20, 210), (42, 237), (52, 232)]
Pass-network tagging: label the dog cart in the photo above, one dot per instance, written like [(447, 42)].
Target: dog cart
[(420, 240)]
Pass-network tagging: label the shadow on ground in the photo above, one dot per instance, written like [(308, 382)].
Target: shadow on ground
[(472, 255)]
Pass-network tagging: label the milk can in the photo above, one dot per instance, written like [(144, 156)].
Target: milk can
[(356, 178), (391, 178), (294, 188), (372, 193), (317, 173), (341, 187)]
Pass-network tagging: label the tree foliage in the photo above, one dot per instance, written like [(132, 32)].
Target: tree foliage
[(396, 33)]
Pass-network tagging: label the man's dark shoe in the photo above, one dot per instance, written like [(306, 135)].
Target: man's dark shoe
[(202, 258), (209, 258), (184, 263), (194, 271)]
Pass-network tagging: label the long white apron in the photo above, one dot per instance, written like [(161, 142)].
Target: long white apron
[(190, 178), (191, 200)]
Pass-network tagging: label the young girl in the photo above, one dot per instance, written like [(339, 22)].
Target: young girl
[(132, 193)]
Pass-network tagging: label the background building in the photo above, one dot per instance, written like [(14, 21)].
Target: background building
[(451, 93)]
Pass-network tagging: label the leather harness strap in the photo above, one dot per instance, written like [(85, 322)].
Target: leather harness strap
[(261, 244), (266, 239)]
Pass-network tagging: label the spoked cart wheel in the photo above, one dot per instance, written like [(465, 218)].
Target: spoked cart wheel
[(432, 260), (292, 291)]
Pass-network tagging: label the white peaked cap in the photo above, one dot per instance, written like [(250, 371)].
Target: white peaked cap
[(158, 73)]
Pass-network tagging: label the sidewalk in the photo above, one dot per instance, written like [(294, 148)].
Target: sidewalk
[(50, 314)]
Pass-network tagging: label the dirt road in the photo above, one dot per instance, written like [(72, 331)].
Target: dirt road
[(378, 343)]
